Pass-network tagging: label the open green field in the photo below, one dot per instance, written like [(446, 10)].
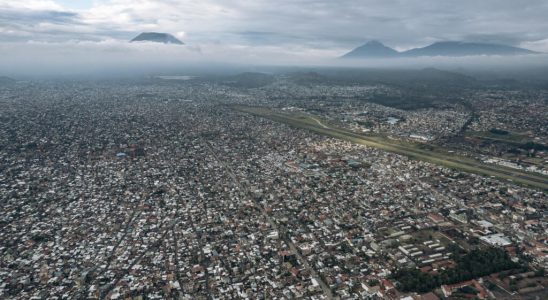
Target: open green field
[(434, 155), (511, 138)]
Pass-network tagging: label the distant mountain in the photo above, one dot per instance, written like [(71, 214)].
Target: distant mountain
[(308, 78), (465, 49), (248, 80), (6, 80), (157, 37), (372, 49), (375, 49)]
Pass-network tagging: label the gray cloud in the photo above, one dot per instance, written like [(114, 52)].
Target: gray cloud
[(315, 24), (24, 24), (32, 16)]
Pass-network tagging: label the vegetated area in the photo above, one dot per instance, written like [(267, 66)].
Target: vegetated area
[(512, 146), (515, 139), (476, 263)]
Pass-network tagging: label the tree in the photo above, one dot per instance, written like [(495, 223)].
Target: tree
[(476, 263)]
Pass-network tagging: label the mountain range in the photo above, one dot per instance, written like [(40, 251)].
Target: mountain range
[(6, 80), (375, 49), (157, 37)]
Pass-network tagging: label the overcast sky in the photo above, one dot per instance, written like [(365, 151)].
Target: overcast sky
[(42, 34), (319, 24)]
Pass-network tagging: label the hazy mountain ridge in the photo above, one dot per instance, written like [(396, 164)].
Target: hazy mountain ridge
[(6, 80), (372, 49), (375, 49), (157, 37)]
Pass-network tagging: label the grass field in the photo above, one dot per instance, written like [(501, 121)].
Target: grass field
[(511, 138), (434, 155)]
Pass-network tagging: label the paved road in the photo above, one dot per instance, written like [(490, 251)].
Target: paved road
[(319, 122)]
